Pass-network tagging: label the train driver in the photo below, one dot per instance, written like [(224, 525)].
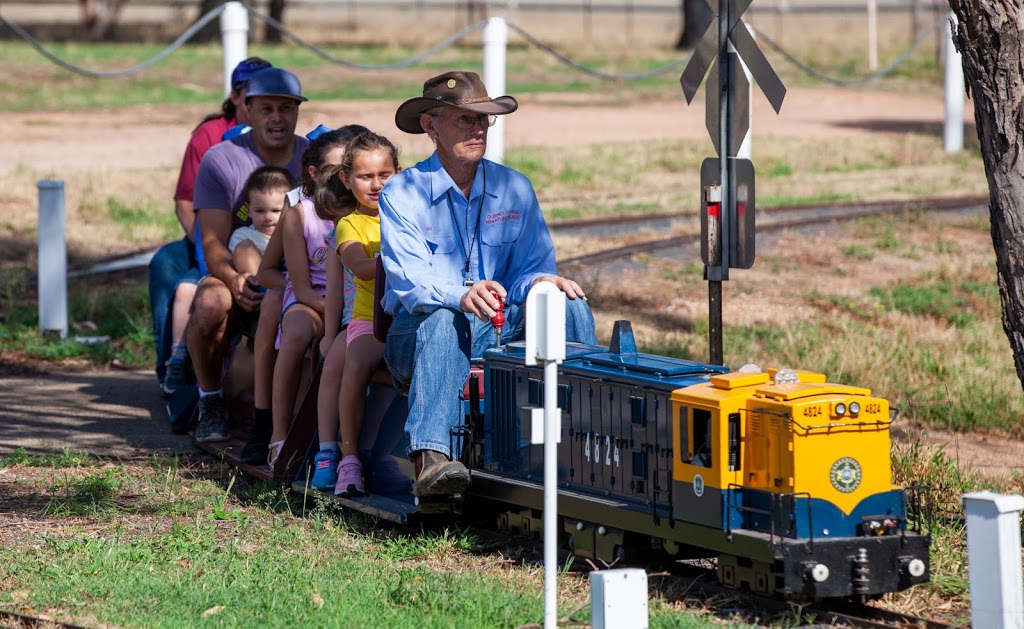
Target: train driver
[(458, 233)]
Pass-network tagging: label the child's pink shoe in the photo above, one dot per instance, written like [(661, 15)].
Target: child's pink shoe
[(350, 477)]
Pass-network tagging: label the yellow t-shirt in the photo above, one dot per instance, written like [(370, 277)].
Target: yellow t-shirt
[(364, 229)]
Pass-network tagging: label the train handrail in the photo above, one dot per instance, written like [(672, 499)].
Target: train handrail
[(775, 503)]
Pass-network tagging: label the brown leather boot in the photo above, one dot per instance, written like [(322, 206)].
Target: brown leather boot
[(437, 476)]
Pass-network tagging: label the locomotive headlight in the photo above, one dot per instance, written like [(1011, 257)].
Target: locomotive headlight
[(840, 409), (854, 408), (786, 376)]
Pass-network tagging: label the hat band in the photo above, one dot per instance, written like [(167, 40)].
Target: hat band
[(467, 101)]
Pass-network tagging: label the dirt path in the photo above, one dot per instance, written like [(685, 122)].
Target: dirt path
[(152, 136), (116, 414)]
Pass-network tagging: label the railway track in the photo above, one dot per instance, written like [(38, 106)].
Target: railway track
[(772, 220), (681, 225), (707, 590), (14, 620)]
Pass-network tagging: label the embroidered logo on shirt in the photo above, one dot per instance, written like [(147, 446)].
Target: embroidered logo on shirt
[(502, 216), (243, 213)]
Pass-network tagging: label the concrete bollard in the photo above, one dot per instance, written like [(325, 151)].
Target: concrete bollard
[(495, 50), (234, 36), (53, 258), (994, 563)]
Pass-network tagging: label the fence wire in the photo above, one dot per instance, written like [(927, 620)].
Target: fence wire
[(921, 39), (450, 41), (116, 74)]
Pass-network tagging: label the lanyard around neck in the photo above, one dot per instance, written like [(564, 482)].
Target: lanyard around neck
[(467, 251)]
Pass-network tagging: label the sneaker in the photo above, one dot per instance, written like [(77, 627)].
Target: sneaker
[(325, 470), (350, 477), (213, 420), (174, 377), (438, 476), (386, 478)]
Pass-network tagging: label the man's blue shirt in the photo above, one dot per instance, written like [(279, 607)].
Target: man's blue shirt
[(429, 228)]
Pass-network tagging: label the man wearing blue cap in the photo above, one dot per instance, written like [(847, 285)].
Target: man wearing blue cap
[(172, 263), (273, 100)]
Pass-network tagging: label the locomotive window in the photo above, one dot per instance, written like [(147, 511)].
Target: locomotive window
[(638, 410), (684, 437), (702, 437), (535, 394)]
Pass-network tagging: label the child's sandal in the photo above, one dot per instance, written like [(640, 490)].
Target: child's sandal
[(274, 452)]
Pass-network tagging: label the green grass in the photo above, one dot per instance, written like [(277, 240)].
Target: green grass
[(134, 219), (65, 458), (956, 303), (783, 200), (169, 543), (121, 313)]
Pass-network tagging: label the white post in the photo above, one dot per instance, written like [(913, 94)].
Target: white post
[(994, 564), (744, 151), (545, 341), (53, 258), (953, 132), (234, 35), (495, 48), (872, 35)]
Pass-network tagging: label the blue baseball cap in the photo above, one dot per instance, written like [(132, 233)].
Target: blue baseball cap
[(275, 82), (245, 69)]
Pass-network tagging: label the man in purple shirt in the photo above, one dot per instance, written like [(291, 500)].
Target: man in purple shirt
[(458, 232), (273, 101)]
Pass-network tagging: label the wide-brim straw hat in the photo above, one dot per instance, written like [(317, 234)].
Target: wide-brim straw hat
[(459, 89)]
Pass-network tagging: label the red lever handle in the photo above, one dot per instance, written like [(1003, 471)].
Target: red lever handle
[(498, 320)]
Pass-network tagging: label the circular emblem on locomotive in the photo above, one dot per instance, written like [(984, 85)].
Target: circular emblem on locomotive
[(845, 474), (698, 485)]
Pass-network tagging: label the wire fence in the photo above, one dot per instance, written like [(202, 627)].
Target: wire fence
[(452, 40)]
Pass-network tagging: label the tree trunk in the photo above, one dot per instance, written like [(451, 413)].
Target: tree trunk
[(271, 34), (210, 32), (99, 17), (691, 11), (990, 36)]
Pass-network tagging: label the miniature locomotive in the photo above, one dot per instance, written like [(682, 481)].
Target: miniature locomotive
[(781, 475)]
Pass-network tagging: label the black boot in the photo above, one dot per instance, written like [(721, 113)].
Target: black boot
[(254, 451)]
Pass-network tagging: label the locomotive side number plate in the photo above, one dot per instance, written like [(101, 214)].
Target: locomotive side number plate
[(593, 453)]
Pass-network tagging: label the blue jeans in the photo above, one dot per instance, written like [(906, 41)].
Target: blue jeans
[(169, 265), (429, 358)]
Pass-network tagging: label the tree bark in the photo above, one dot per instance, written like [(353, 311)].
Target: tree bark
[(99, 17), (210, 32), (990, 35), (691, 10)]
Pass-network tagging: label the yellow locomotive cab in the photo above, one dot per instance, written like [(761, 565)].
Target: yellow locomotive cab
[(784, 432)]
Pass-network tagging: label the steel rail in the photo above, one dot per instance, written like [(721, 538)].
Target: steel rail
[(807, 215)]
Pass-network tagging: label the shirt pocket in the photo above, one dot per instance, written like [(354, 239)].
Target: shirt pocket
[(501, 228), (443, 251)]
